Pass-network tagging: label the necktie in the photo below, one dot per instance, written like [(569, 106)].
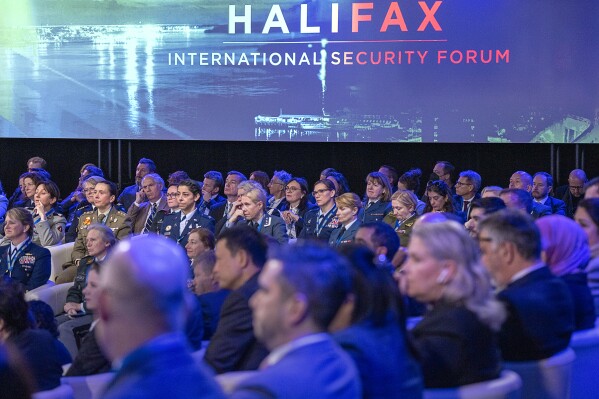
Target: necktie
[(465, 207), (182, 224), (150, 218), (341, 232), (369, 204), (101, 218), (228, 209)]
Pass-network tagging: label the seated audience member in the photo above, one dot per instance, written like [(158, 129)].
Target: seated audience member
[(587, 216), (172, 207), (440, 198), (177, 226), (391, 174), (210, 296), (542, 187), (240, 255), (15, 378), (325, 172), (369, 327), (261, 177), (297, 196), (30, 181), (148, 201), (540, 312), (443, 171), (378, 198), (276, 187), (90, 359), (523, 181), (177, 177), (490, 191), (72, 201), (200, 240), (320, 222), (21, 259), (142, 304), (213, 181), (479, 209), (455, 341), (225, 209), (36, 346), (340, 182), (127, 197), (99, 241), (43, 318), (49, 225), (521, 200), (566, 253), (380, 238), (235, 214), (86, 205), (255, 216), (466, 189), (348, 208), (404, 203), (411, 181), (301, 289), (591, 189), (572, 193), (3, 203), (105, 213)]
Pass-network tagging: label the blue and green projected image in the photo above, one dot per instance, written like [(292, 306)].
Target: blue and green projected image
[(293, 70)]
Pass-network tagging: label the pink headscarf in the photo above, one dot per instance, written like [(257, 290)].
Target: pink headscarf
[(565, 244)]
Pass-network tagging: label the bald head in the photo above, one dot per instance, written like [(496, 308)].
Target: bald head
[(521, 180), (144, 293), (578, 174)]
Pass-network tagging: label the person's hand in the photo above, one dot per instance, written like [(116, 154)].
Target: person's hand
[(290, 217), (39, 209), (77, 196), (206, 195), (72, 308), (236, 212), (140, 196)]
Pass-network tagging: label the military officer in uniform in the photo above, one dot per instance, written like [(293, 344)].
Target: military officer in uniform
[(178, 225), (21, 259), (320, 222), (105, 213)]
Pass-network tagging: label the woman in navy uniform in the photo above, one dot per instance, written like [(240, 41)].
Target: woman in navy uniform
[(378, 198), (320, 222), (22, 260), (348, 207), (178, 225), (253, 203), (29, 180), (296, 193)]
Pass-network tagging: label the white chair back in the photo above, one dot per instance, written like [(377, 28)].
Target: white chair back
[(88, 387), (54, 295), (61, 392), (60, 254), (549, 378), (229, 381), (585, 384), (507, 386)]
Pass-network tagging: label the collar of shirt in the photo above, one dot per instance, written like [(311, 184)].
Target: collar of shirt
[(276, 202), (542, 200), (350, 224), (188, 216), (14, 248), (279, 353), (524, 272)]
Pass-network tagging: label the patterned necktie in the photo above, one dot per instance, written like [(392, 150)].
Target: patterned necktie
[(150, 218), (228, 209), (465, 207), (182, 224)]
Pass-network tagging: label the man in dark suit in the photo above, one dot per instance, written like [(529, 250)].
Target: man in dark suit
[(542, 187), (572, 192), (240, 255), (148, 202), (142, 304), (144, 166), (466, 189), (213, 181), (540, 309), (220, 212), (276, 186), (301, 289), (521, 200)]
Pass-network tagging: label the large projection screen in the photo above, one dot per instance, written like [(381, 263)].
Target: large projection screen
[(380, 71)]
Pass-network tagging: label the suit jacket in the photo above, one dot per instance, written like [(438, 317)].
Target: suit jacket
[(206, 206), (139, 214), (127, 196), (540, 317), (317, 370), (347, 237), (454, 347), (32, 268), (90, 359), (162, 368), (563, 193), (273, 226), (386, 366), (311, 225), (558, 207), (539, 210), (51, 231), (375, 212), (458, 201), (172, 221), (118, 221), (276, 211), (211, 304), (233, 346)]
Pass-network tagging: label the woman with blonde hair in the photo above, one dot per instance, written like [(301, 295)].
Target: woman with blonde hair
[(404, 204), (348, 207), (455, 341)]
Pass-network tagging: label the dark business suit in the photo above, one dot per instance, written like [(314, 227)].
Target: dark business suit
[(338, 238), (162, 369), (563, 193), (458, 201), (211, 303), (539, 210), (206, 206), (386, 366), (127, 196), (375, 212), (540, 317), (90, 359), (454, 347), (311, 224), (558, 207), (219, 214), (318, 370), (171, 222), (233, 346), (32, 268), (139, 214)]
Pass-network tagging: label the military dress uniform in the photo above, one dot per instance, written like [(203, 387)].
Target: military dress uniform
[(50, 231), (375, 211), (30, 265), (273, 226), (117, 220), (172, 222), (319, 226)]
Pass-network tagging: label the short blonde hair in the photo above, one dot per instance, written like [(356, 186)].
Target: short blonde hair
[(256, 194), (349, 200), (405, 197)]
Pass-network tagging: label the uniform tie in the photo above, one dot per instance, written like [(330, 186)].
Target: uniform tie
[(150, 218)]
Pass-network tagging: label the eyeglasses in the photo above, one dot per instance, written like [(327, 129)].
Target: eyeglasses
[(291, 188), (171, 195), (459, 184), (320, 192), (277, 182), (578, 188)]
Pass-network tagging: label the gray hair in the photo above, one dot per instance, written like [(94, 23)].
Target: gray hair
[(473, 178), (154, 176)]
